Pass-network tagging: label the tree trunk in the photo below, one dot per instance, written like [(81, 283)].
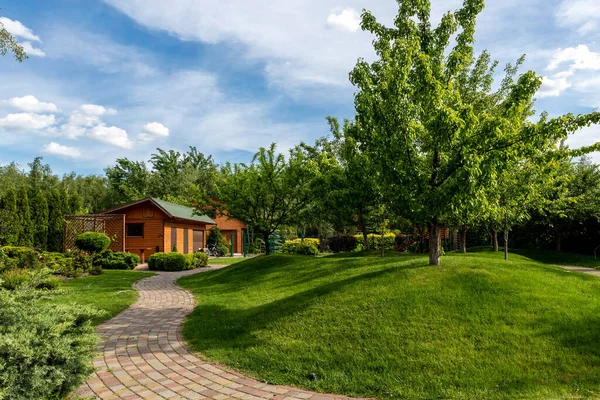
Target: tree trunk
[(266, 235), (434, 243), (463, 239), (506, 244), (495, 239), (558, 244)]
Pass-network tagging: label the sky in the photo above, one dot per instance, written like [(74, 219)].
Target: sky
[(108, 79)]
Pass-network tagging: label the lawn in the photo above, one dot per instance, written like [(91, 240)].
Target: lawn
[(111, 291), (225, 260), (476, 327)]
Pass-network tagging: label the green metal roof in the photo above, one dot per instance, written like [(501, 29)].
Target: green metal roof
[(183, 212)]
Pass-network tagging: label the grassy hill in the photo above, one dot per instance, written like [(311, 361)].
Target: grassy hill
[(476, 327)]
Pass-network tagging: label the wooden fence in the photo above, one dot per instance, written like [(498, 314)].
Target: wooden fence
[(113, 225)]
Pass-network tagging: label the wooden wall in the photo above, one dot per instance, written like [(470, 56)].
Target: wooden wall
[(229, 226), (182, 247)]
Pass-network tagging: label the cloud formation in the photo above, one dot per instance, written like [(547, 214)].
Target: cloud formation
[(347, 20), (32, 104), (56, 149), (111, 135), (152, 131), (18, 30), (582, 15), (27, 121)]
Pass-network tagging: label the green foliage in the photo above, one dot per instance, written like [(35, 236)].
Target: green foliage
[(27, 230), (269, 192), (8, 43), (306, 248), (10, 226), (168, 262), (109, 259), (223, 249), (256, 247), (93, 242), (174, 249), (15, 251), (214, 236), (196, 260), (39, 219), (374, 240), (14, 278), (18, 278), (46, 349), (55, 221)]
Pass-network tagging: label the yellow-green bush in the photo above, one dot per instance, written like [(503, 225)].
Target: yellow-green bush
[(375, 240)]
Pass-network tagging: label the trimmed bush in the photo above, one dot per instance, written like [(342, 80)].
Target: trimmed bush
[(375, 241), (94, 242), (306, 248), (314, 241), (168, 262), (339, 244), (46, 350), (14, 278), (109, 259), (15, 252), (224, 249), (196, 260)]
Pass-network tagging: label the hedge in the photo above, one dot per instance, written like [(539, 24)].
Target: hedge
[(168, 262), (306, 248), (94, 242), (109, 259), (45, 350), (196, 260), (375, 241), (338, 244)]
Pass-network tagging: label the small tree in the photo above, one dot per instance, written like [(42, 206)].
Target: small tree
[(74, 203), (10, 228), (214, 236), (93, 242)]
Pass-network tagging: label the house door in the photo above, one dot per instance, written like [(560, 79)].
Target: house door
[(198, 241)]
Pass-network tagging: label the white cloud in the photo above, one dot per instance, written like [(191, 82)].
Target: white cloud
[(152, 131), (62, 151), (583, 15), (96, 110), (32, 104), (580, 57), (553, 87), (347, 20), (32, 51), (27, 121), (16, 28), (111, 135)]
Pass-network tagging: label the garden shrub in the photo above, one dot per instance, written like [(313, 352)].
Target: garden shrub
[(29, 259), (109, 259), (45, 350), (18, 278), (94, 242), (167, 262), (5, 262), (14, 278), (256, 247), (214, 237), (306, 248), (15, 252), (196, 260), (224, 249), (339, 244)]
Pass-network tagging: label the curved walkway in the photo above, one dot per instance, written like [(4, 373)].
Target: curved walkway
[(143, 356), (584, 270)]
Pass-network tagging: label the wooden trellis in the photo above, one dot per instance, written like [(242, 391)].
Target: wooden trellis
[(113, 225)]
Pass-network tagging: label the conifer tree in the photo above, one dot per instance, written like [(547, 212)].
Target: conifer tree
[(55, 221), (9, 224), (74, 203), (24, 215), (39, 217)]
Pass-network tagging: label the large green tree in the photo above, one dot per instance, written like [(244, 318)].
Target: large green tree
[(267, 193), (436, 154)]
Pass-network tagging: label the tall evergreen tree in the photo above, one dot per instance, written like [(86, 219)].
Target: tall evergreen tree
[(9, 221), (64, 201), (39, 217), (74, 204), (55, 221), (24, 214)]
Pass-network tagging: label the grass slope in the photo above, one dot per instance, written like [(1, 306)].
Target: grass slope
[(477, 327), (110, 292)]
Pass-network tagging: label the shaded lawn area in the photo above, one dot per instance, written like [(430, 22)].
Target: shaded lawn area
[(476, 327), (110, 292)]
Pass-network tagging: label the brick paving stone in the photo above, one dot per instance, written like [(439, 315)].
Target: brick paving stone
[(142, 354)]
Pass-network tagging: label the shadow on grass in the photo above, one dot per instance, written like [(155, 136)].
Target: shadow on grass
[(219, 327)]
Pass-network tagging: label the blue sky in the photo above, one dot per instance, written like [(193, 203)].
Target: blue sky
[(119, 78)]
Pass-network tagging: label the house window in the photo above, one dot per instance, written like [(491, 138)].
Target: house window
[(135, 230)]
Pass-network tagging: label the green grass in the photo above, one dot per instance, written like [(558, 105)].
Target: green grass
[(476, 327), (110, 292), (226, 260)]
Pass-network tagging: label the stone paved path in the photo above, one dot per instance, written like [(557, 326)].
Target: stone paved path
[(143, 357), (589, 271)]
